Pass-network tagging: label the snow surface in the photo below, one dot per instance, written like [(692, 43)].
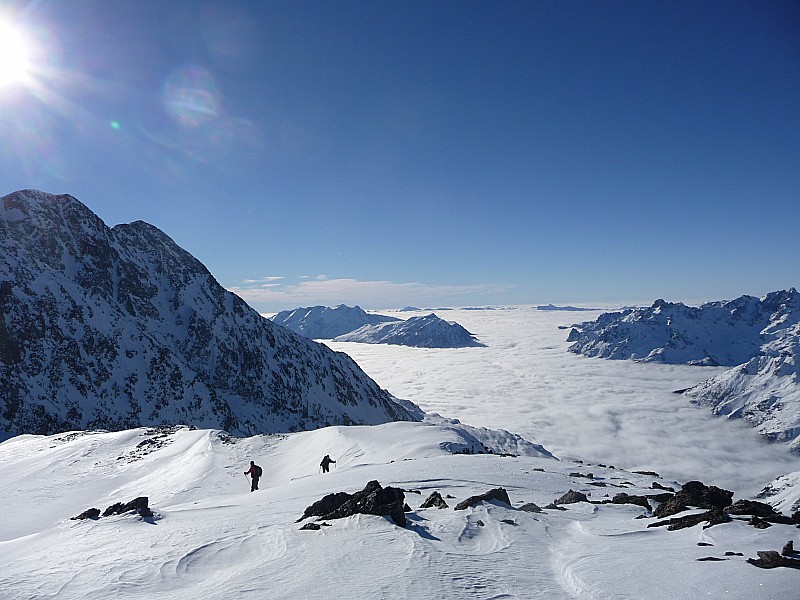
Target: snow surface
[(614, 412), (211, 538)]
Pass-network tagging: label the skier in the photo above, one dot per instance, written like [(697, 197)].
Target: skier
[(255, 473), (326, 462)]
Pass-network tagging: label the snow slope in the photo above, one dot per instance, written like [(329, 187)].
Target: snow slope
[(211, 538), (426, 331)]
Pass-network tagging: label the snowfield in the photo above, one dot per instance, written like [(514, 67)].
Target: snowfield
[(212, 538)]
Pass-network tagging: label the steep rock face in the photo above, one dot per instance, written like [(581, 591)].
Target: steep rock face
[(119, 327), (716, 333), (428, 331), (323, 322), (765, 391)]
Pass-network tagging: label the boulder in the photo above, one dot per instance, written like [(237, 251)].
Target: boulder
[(434, 500), (372, 500), (751, 507), (788, 549), (571, 497), (89, 513), (713, 517), (695, 494), (530, 507), (138, 504), (770, 559), (623, 498), (495, 494)]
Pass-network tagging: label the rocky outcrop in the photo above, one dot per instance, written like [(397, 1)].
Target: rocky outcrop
[(372, 500), (434, 500), (571, 497), (770, 559), (695, 494), (138, 505), (496, 494), (116, 328)]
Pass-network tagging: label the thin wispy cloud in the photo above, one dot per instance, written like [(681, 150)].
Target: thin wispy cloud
[(276, 293)]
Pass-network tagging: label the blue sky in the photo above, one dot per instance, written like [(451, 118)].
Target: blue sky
[(426, 153)]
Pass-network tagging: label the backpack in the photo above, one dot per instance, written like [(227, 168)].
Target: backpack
[(258, 471)]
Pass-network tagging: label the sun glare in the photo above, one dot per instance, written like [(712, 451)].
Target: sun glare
[(13, 55)]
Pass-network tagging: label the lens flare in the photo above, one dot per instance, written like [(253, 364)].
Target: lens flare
[(191, 96), (14, 59)]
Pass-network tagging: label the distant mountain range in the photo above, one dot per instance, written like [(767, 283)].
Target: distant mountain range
[(353, 324), (119, 327), (325, 323), (760, 338)]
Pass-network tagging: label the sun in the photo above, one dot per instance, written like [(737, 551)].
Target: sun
[(14, 60)]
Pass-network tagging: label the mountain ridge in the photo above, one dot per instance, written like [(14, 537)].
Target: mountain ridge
[(120, 327)]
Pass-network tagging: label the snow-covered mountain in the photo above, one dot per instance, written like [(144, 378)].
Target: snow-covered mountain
[(210, 537), (428, 331), (765, 391), (723, 333), (119, 327), (324, 323), (760, 336)]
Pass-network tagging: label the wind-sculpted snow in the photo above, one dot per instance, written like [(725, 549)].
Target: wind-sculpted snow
[(428, 331), (119, 327), (211, 538), (724, 333), (323, 322)]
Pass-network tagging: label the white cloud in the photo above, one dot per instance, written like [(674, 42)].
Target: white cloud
[(320, 290)]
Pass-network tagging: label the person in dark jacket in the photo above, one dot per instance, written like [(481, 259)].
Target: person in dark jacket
[(326, 463), (255, 473)]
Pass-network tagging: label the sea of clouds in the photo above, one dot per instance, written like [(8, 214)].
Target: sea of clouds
[(600, 411)]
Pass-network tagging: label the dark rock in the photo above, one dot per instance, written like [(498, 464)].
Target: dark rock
[(372, 500), (660, 497), (729, 553), (658, 486), (406, 508), (479, 523), (586, 475), (651, 473), (770, 559), (554, 506), (751, 507), (530, 507), (704, 544), (796, 517), (713, 517), (508, 521), (499, 494), (758, 522), (89, 513), (138, 504), (788, 549), (311, 526), (711, 559), (695, 494), (571, 497), (624, 498), (435, 499)]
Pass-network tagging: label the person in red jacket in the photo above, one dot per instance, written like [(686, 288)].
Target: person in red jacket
[(255, 474)]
